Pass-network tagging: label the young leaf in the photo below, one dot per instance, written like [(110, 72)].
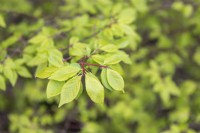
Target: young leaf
[(70, 90), (2, 83), (104, 80), (10, 74), (55, 58), (39, 59), (1, 68), (80, 92), (79, 49), (109, 48), (38, 39), (2, 22), (46, 72), (94, 88), (112, 59), (124, 57), (115, 80), (23, 71), (127, 16), (117, 30), (108, 33), (54, 88), (98, 58), (64, 73)]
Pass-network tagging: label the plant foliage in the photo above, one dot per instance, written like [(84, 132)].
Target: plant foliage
[(111, 66)]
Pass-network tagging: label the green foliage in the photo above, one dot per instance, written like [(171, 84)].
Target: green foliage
[(137, 60)]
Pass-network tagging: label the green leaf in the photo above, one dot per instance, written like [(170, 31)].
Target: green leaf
[(127, 16), (38, 39), (2, 83), (54, 88), (23, 71), (2, 21), (80, 92), (108, 33), (79, 49), (46, 72), (11, 40), (124, 57), (55, 58), (10, 63), (115, 80), (10, 74), (117, 30), (39, 59), (64, 73), (94, 88), (1, 68), (196, 56), (70, 90), (98, 58), (109, 48), (112, 59), (104, 80)]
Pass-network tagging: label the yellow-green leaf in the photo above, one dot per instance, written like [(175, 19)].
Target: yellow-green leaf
[(70, 90), (46, 72), (64, 73), (104, 80), (94, 88), (115, 80), (55, 58), (54, 88), (10, 74), (112, 59), (98, 58), (2, 83), (23, 71), (2, 21), (109, 48)]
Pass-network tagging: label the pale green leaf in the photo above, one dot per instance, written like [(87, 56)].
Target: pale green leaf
[(1, 68), (94, 88), (2, 21), (117, 30), (127, 16), (10, 74), (39, 59), (10, 63), (20, 61), (115, 80), (2, 83), (98, 58), (23, 71), (196, 56), (11, 40), (104, 80), (108, 33), (54, 88), (79, 49), (64, 73), (55, 58), (38, 39), (124, 57), (112, 59), (70, 90), (109, 48), (80, 92), (45, 72), (73, 40)]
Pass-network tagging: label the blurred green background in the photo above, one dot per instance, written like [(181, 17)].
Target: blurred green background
[(162, 85)]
